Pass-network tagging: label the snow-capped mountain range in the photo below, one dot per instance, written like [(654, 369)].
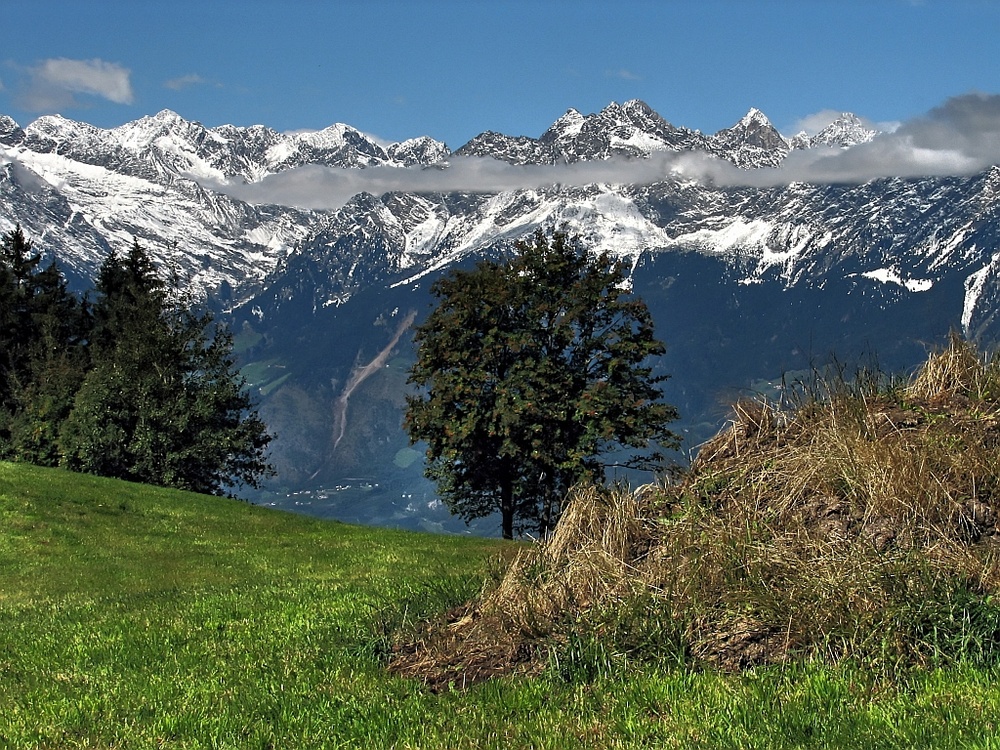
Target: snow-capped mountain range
[(81, 190), (746, 283)]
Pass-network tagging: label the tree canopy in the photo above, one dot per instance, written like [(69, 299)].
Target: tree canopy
[(531, 373), (136, 385)]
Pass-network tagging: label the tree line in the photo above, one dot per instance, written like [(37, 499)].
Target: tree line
[(130, 381), (531, 373)]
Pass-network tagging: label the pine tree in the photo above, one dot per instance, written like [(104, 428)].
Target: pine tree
[(17, 264), (42, 351), (532, 372), (55, 364)]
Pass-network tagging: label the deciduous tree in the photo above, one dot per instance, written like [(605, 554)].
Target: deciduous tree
[(531, 373)]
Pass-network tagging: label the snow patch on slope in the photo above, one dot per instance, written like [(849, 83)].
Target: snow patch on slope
[(609, 222), (726, 235), (892, 276), (974, 285)]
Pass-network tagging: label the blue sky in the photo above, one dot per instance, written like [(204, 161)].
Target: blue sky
[(452, 69)]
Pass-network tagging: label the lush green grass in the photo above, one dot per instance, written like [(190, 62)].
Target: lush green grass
[(133, 617)]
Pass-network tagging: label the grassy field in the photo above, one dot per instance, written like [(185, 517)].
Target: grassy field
[(135, 617)]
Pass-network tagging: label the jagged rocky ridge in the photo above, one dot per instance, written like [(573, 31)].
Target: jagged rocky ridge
[(86, 190), (746, 284), (162, 178)]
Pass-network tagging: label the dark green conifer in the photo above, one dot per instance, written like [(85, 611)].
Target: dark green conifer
[(56, 361), (42, 357), (163, 402), (17, 264)]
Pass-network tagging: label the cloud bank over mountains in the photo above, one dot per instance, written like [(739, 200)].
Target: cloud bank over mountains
[(959, 137)]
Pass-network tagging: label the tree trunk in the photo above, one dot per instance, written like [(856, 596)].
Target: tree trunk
[(507, 507)]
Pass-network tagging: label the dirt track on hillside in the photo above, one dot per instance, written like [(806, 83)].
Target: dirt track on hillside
[(359, 374)]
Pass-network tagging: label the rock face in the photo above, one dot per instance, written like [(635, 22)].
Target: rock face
[(746, 284)]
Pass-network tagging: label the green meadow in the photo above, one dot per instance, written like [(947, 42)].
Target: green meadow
[(139, 617)]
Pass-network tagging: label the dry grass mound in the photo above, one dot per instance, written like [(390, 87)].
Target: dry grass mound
[(591, 563), (863, 525)]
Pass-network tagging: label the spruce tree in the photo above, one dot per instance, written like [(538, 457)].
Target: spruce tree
[(163, 402), (42, 351), (17, 265), (531, 373), (55, 363)]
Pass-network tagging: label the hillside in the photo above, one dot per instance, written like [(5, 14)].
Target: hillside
[(136, 617), (67, 533)]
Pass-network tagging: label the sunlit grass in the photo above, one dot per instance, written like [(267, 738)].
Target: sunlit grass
[(133, 617)]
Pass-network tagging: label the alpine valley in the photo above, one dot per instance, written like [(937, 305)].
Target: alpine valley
[(318, 250)]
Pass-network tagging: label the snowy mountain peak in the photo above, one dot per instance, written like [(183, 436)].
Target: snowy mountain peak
[(633, 112), (845, 131), (753, 142), (754, 118), (55, 125), (418, 151), (165, 116), (800, 140), (141, 134), (330, 135), (55, 133), (567, 125), (162, 121), (613, 110), (10, 132), (637, 107), (754, 121)]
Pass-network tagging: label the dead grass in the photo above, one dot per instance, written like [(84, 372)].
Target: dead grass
[(861, 525)]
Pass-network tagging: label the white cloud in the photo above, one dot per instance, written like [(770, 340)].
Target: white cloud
[(320, 187), (183, 82), (55, 83), (960, 137), (624, 74)]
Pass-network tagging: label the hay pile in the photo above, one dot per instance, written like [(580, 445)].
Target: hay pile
[(589, 562), (863, 525)]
